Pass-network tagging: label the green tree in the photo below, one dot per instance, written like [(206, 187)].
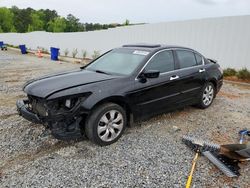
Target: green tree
[(73, 23), (37, 24), (82, 27), (57, 25), (127, 22), (27, 20), (6, 19), (97, 26), (30, 28), (89, 26), (22, 19), (48, 15), (13, 29)]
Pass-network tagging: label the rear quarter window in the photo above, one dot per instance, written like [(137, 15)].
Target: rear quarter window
[(198, 59)]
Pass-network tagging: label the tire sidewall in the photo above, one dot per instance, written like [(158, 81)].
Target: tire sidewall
[(94, 118)]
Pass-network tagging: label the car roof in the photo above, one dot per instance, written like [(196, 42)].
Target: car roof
[(152, 47)]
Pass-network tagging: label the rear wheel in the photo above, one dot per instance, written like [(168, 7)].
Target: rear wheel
[(207, 96), (106, 124)]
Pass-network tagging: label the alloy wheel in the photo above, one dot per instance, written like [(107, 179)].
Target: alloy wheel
[(208, 95), (110, 125)]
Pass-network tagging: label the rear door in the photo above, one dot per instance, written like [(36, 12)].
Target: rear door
[(192, 74)]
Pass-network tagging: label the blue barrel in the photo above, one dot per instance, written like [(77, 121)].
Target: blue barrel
[(1, 43), (23, 49), (54, 53)]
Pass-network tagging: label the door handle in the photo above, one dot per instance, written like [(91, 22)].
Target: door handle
[(202, 70), (174, 77)]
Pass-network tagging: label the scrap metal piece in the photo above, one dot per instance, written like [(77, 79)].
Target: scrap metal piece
[(244, 152), (206, 146), (233, 151), (228, 167)]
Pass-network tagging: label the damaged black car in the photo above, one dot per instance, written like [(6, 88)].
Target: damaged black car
[(124, 85)]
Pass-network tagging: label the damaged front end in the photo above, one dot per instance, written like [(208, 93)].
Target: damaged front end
[(62, 116)]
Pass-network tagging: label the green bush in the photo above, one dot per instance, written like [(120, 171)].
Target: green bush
[(84, 54), (66, 52), (229, 72), (45, 51), (243, 74), (96, 54), (74, 52), (12, 46)]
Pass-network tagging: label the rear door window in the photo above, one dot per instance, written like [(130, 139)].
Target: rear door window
[(162, 61), (186, 58)]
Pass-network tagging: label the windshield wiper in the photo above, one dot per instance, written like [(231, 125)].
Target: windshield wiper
[(102, 72)]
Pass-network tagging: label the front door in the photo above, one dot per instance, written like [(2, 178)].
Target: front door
[(156, 95)]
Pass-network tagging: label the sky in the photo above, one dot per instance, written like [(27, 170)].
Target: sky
[(137, 11)]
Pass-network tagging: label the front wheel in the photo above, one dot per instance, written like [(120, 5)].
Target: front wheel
[(207, 96), (106, 124)]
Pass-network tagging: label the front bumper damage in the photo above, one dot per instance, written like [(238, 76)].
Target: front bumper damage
[(63, 126), (26, 113)]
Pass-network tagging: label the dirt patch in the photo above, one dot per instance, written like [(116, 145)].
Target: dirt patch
[(221, 137), (235, 79), (44, 150), (228, 95), (9, 100), (3, 117), (11, 81)]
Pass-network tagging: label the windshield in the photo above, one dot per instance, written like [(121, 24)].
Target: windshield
[(118, 61)]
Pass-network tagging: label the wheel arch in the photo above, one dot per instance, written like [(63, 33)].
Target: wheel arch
[(214, 82), (121, 101)]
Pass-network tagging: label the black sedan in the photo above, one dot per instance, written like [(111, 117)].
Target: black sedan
[(126, 84)]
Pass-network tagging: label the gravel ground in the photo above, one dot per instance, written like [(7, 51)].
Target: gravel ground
[(150, 154)]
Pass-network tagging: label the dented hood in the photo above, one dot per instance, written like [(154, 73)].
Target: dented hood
[(47, 85)]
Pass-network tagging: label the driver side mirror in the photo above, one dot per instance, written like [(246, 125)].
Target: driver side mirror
[(149, 74)]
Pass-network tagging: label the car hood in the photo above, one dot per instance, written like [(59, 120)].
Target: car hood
[(48, 85)]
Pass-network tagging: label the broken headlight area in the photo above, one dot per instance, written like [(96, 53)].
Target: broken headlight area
[(37, 105), (63, 105), (56, 109), (65, 117), (62, 116)]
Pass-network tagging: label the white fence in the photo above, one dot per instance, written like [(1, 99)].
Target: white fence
[(226, 39)]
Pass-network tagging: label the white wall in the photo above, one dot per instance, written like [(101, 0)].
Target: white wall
[(226, 39)]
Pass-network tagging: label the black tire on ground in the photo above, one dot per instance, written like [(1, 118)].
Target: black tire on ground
[(93, 121), (202, 104)]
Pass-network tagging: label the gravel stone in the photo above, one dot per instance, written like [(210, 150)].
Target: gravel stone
[(150, 154)]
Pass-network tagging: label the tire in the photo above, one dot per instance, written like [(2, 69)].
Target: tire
[(207, 96), (106, 124)]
